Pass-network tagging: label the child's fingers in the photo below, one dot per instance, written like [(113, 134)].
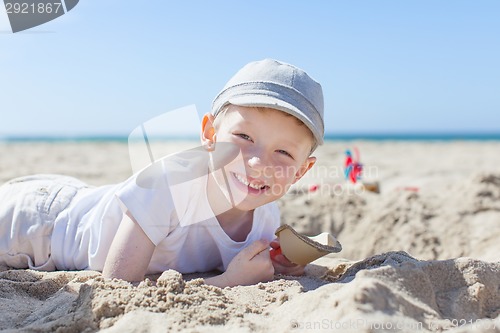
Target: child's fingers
[(296, 271), (283, 261), (254, 249), (264, 254), (283, 266), (275, 243)]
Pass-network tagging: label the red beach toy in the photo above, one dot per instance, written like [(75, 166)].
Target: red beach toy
[(352, 167)]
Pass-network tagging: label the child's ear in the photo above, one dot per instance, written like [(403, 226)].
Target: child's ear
[(207, 130), (308, 164)]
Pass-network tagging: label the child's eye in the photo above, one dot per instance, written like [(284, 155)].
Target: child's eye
[(284, 152), (244, 136)]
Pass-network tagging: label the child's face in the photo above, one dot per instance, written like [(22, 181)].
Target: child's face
[(275, 149)]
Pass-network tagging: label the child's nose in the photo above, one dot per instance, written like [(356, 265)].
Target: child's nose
[(258, 163), (258, 159), (254, 162)]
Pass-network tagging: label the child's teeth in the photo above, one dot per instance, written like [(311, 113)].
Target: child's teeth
[(244, 181), (247, 183)]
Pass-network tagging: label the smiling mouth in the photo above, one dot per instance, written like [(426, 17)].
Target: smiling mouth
[(243, 180)]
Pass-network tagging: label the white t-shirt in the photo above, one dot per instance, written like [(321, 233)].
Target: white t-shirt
[(169, 201)]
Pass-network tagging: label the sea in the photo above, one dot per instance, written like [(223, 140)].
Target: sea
[(457, 136)]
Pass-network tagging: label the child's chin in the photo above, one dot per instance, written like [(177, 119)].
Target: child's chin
[(246, 207)]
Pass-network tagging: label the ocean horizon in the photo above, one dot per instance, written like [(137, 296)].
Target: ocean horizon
[(413, 136)]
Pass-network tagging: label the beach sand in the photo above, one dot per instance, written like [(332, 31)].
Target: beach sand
[(421, 255)]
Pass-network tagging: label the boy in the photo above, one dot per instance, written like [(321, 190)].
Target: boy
[(225, 219)]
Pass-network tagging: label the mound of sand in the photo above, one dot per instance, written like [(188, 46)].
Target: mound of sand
[(461, 219), (384, 292)]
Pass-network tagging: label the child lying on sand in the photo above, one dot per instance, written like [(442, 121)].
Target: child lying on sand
[(270, 111)]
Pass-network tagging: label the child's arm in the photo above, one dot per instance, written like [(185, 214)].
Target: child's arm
[(250, 266), (130, 252)]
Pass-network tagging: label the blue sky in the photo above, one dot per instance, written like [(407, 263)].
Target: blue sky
[(385, 66)]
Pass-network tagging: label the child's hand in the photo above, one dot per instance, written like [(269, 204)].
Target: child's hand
[(250, 266), (281, 264)]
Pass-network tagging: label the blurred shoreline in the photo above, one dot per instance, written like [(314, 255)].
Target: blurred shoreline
[(329, 137)]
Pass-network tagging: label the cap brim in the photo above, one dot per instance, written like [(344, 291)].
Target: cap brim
[(275, 103)]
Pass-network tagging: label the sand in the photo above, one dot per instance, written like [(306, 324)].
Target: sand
[(420, 256)]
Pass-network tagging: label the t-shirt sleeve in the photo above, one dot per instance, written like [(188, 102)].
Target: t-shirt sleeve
[(152, 208)]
